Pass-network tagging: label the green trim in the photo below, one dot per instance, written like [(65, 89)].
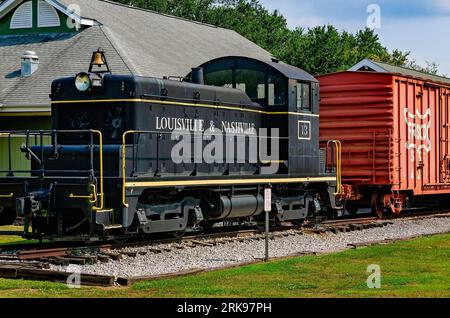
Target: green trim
[(5, 24), (19, 162)]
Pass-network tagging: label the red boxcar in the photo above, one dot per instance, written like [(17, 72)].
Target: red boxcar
[(395, 134)]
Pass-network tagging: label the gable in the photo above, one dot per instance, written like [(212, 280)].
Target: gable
[(22, 17), (36, 16), (47, 15)]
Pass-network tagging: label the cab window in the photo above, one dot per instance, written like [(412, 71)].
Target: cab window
[(252, 83), (223, 78), (277, 91), (304, 97)]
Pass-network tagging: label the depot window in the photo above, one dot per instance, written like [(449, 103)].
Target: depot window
[(303, 97)]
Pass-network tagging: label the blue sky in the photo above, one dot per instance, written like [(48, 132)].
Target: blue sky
[(419, 26)]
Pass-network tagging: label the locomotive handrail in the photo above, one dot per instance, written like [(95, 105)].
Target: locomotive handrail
[(199, 101), (11, 195), (101, 194), (53, 133), (338, 156), (75, 196), (124, 177), (93, 197)]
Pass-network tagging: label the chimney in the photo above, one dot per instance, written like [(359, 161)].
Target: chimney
[(30, 63)]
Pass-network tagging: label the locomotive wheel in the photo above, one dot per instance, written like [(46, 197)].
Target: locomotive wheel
[(178, 235), (298, 222), (377, 205)]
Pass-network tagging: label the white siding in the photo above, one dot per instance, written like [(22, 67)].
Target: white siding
[(23, 16), (47, 15)]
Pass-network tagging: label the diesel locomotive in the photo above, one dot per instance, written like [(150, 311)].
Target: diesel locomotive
[(133, 156)]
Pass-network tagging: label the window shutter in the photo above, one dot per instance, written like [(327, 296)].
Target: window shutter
[(47, 15), (23, 16)]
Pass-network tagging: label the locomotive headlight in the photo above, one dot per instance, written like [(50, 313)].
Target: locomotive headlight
[(83, 82)]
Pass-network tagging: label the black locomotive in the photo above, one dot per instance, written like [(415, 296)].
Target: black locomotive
[(135, 155)]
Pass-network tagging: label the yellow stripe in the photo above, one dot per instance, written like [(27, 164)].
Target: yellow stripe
[(154, 101), (154, 184)]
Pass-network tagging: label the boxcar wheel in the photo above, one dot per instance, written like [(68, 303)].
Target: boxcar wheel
[(377, 205)]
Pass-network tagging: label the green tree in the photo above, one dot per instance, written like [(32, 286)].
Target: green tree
[(317, 50), (431, 68)]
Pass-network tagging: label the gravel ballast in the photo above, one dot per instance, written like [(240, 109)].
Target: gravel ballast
[(234, 253)]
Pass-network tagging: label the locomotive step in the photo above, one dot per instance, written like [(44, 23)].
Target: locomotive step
[(113, 227)]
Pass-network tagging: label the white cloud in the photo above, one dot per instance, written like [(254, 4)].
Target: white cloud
[(424, 37), (442, 4)]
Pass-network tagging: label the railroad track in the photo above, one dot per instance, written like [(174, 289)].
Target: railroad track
[(82, 255), (35, 263)]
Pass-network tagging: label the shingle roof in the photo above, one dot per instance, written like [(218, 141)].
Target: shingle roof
[(60, 55), (136, 41), (155, 44), (388, 68)]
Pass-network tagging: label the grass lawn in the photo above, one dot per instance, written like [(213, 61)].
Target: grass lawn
[(416, 268), (7, 239)]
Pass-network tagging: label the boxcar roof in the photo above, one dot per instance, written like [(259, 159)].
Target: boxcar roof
[(380, 67)]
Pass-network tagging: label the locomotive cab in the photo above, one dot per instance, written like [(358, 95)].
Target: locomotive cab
[(289, 101)]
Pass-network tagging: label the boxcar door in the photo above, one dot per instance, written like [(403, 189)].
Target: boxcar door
[(445, 135)]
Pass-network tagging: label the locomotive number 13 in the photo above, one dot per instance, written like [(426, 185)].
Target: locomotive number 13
[(304, 130)]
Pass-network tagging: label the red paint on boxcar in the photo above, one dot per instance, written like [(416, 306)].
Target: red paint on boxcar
[(395, 134)]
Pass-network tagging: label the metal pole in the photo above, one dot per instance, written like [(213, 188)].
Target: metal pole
[(267, 209), (266, 258)]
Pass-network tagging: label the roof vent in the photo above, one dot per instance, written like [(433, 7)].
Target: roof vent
[(30, 63)]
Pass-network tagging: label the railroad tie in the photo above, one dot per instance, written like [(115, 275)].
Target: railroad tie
[(155, 250), (130, 254), (111, 255), (201, 243), (103, 258)]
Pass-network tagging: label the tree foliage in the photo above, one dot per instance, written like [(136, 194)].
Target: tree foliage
[(318, 50)]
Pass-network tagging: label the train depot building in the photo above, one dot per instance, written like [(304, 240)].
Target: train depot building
[(44, 40)]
